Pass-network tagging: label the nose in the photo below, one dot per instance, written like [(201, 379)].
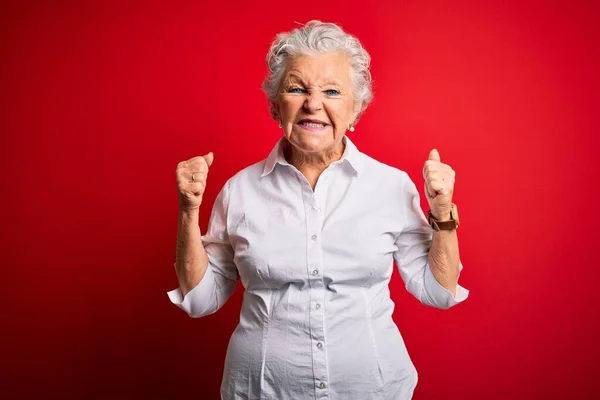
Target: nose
[(313, 101)]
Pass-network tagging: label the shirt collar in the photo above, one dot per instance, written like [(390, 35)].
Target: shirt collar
[(351, 155)]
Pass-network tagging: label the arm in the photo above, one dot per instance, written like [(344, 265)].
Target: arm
[(444, 259), (204, 265), (424, 262), (191, 258), (443, 254)]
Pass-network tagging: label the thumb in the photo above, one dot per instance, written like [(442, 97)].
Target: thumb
[(209, 158), (434, 155)]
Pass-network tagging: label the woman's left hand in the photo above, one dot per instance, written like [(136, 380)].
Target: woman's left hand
[(439, 186)]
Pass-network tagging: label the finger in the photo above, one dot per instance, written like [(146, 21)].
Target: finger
[(198, 176), (436, 187), (435, 176), (434, 155), (185, 181), (436, 164), (448, 179), (209, 158), (197, 187), (198, 160), (440, 186), (197, 164), (185, 175), (427, 191), (441, 170)]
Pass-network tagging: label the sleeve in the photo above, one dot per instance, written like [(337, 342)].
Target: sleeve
[(220, 279), (413, 245)]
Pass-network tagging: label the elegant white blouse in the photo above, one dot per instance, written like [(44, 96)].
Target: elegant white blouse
[(316, 319)]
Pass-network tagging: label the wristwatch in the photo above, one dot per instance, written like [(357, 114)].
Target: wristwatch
[(449, 225)]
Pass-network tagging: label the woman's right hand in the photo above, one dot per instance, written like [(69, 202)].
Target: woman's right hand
[(191, 181)]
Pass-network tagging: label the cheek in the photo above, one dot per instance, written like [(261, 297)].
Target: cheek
[(288, 107), (340, 114)]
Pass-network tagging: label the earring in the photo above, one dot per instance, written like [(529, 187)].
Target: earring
[(281, 126), (351, 127)]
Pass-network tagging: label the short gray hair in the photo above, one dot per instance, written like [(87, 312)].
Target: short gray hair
[(318, 37)]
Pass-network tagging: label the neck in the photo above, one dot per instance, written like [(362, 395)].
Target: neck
[(312, 165)]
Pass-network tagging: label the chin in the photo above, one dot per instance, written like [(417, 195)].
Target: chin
[(313, 145)]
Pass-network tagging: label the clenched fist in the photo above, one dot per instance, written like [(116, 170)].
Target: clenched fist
[(439, 185), (191, 181)]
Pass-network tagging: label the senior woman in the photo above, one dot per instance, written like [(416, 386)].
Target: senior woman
[(312, 232)]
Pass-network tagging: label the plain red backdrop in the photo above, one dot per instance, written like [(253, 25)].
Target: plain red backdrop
[(100, 100)]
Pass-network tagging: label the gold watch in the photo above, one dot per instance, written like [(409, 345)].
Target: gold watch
[(449, 225)]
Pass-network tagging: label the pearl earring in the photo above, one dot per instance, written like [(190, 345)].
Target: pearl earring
[(351, 127), (281, 126)]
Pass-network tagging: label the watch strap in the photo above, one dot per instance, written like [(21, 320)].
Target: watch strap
[(449, 225)]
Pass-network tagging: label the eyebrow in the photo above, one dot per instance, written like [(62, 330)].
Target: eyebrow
[(331, 81)]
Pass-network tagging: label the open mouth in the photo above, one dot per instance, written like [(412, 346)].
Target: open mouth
[(312, 124)]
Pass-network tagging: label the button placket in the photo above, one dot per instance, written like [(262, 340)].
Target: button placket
[(316, 291)]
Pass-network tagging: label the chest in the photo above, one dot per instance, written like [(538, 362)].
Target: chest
[(287, 234)]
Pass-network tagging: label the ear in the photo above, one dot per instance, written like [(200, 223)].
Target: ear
[(274, 108), (356, 112)]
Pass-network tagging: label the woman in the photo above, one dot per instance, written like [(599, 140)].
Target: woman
[(312, 232)]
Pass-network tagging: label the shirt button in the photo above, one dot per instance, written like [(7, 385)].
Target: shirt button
[(315, 272), (317, 306), (319, 345), (325, 178), (314, 237), (322, 385)]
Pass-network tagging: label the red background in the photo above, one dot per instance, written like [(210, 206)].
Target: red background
[(100, 102)]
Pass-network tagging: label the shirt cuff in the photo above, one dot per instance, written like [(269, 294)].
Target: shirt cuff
[(198, 301), (438, 295)]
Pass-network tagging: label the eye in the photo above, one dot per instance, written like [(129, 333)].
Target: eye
[(295, 90), (332, 92)]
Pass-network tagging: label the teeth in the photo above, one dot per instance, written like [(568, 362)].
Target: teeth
[(313, 124)]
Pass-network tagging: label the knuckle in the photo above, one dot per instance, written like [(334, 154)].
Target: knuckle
[(433, 176)]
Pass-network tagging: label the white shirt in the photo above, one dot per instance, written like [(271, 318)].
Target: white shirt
[(316, 318)]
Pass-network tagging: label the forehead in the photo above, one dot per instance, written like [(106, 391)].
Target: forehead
[(318, 69)]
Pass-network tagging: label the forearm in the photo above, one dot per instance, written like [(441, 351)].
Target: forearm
[(191, 258), (444, 259)]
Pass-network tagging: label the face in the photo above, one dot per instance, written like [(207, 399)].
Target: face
[(315, 104)]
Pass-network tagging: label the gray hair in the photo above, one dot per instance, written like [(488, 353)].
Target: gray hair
[(318, 37)]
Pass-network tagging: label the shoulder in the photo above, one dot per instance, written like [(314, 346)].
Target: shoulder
[(249, 175), (243, 182), (375, 170), (239, 186)]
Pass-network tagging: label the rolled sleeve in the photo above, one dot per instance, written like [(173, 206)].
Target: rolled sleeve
[(438, 296), (207, 296)]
